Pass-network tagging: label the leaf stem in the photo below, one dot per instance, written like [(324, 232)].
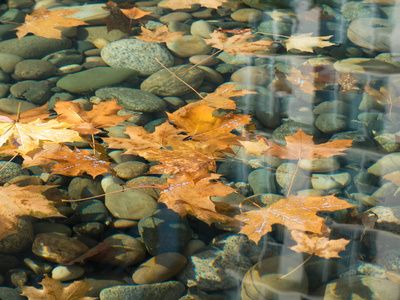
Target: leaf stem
[(295, 269), (294, 175)]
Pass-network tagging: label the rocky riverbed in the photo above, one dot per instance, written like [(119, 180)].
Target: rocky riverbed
[(346, 91)]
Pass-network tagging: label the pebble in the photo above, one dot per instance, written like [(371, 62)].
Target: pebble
[(331, 122), (262, 181), (122, 250), (36, 92), (159, 268), (20, 241), (251, 75), (133, 99), (57, 248), (286, 172), (68, 69), (130, 169), (90, 229), (170, 290), (247, 15), (34, 46), (66, 273), (9, 170), (332, 181), (211, 75), (385, 165), (204, 60), (263, 281), (91, 210), (13, 106), (387, 218), (176, 17), (64, 57), (94, 78), (129, 204), (202, 29), (189, 45), (137, 55), (80, 187), (8, 61), (319, 165), (162, 83), (49, 227)]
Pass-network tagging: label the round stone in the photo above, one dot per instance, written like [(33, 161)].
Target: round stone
[(162, 83), (330, 181), (203, 60), (137, 55), (176, 17), (90, 80), (159, 268), (9, 170), (37, 92), (288, 177), (202, 29), (133, 99), (66, 273), (251, 75), (330, 122), (130, 169), (34, 69), (189, 45), (20, 241), (247, 15)]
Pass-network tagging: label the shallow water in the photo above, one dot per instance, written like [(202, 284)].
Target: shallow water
[(268, 171)]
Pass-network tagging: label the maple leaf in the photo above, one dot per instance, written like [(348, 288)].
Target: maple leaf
[(317, 245), (75, 163), (121, 18), (237, 44), (257, 148), (307, 83), (185, 196), (102, 115), (54, 290), (25, 137), (220, 98), (159, 35), (43, 22), (199, 123), (35, 157), (18, 201), (384, 96), (295, 212), (183, 4), (305, 42), (315, 14), (347, 82), (301, 146), (33, 114)]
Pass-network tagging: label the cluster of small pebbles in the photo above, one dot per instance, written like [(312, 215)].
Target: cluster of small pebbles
[(152, 252)]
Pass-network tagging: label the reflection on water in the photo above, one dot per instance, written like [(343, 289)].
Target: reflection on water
[(235, 149)]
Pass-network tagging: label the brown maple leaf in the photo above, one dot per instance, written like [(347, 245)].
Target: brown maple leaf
[(198, 122), (295, 212), (220, 98), (75, 163), (301, 146), (237, 44), (102, 115), (18, 201), (305, 42), (186, 196), (42, 22), (306, 83), (316, 244), (385, 96), (121, 18), (54, 290), (347, 82), (158, 35), (183, 4)]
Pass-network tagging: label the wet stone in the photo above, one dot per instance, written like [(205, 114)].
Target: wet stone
[(159, 268), (137, 55), (58, 248), (64, 57), (247, 15), (162, 83), (9, 170), (329, 123), (330, 181), (92, 210), (133, 99), (66, 273), (94, 78), (91, 229), (202, 29), (170, 290), (262, 181), (20, 241), (130, 169), (36, 92), (34, 69), (251, 75), (189, 45)]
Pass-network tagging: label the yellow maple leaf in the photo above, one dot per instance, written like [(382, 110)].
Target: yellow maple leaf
[(159, 35), (43, 22), (305, 42), (25, 137)]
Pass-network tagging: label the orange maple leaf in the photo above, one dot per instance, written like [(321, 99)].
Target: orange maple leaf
[(186, 196), (102, 115), (75, 163), (295, 212), (53, 289), (237, 44), (347, 82), (43, 22), (306, 83), (317, 245), (182, 4), (301, 146), (198, 122), (33, 114), (220, 98), (159, 35), (18, 201), (385, 96)]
